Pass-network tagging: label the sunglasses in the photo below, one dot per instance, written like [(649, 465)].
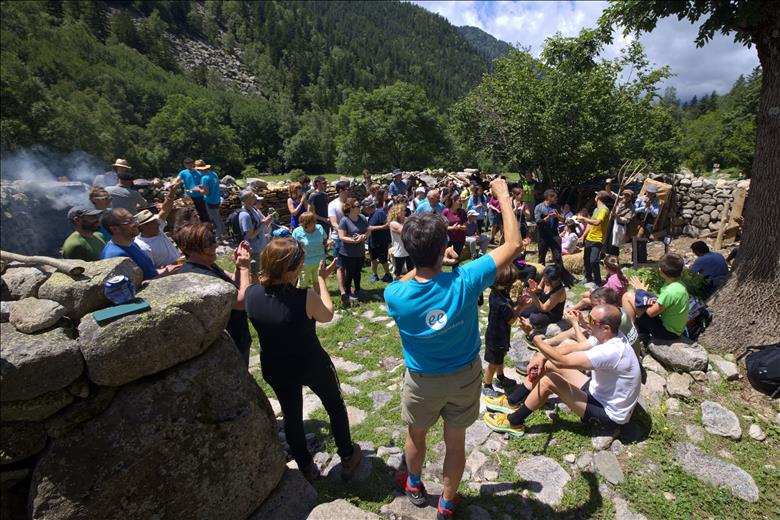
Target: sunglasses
[(101, 198), (591, 321)]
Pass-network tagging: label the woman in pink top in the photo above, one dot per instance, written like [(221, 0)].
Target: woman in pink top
[(456, 223), (616, 280)]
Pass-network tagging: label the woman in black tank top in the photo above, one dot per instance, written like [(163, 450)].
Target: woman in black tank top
[(291, 356), (546, 301)]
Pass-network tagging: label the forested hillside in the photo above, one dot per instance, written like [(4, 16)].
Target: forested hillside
[(321, 85)]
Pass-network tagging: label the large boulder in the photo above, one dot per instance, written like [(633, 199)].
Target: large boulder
[(716, 472), (84, 294), (31, 315), (33, 365), (19, 440), (679, 356), (81, 411), (292, 499), (188, 312), (196, 441), (23, 282), (719, 420), (342, 509)]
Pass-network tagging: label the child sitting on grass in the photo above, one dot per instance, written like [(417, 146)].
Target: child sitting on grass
[(616, 281), (664, 316), (501, 315)]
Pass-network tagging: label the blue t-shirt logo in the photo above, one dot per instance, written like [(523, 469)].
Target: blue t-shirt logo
[(436, 319)]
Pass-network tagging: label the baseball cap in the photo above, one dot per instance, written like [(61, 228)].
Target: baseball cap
[(472, 213), (420, 189), (652, 188), (80, 211)]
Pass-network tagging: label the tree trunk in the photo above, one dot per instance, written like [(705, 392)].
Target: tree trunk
[(747, 308)]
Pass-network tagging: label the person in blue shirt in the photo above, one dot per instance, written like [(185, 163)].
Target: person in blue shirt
[(397, 186), (312, 237), (647, 208), (436, 314), (711, 265), (378, 240), (209, 183), (192, 188), (431, 204), (478, 202), (124, 228)]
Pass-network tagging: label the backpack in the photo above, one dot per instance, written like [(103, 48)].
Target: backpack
[(699, 318), (763, 368), (234, 224)]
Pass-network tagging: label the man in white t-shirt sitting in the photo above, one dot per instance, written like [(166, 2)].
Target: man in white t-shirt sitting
[(606, 399)]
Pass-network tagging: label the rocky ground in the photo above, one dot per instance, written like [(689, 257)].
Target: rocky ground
[(701, 444)]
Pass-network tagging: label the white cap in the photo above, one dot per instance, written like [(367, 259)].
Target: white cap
[(420, 189)]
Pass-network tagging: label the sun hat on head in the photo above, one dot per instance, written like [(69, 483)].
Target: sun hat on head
[(145, 216), (396, 172), (200, 164), (652, 188), (122, 163), (420, 189), (81, 211)]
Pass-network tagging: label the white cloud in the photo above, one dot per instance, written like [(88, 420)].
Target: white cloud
[(698, 70)]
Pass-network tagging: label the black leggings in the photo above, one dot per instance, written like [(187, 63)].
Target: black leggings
[(458, 246), (540, 320), (591, 258), (353, 265), (287, 378), (398, 263), (200, 207), (551, 242)]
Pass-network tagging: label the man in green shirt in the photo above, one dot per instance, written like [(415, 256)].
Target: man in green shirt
[(85, 243), (665, 316)]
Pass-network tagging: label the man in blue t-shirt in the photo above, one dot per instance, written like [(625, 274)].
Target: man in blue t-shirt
[(711, 265), (124, 228), (209, 183), (192, 188), (431, 204), (436, 314)]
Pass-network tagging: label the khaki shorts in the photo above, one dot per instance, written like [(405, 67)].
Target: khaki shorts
[(454, 397)]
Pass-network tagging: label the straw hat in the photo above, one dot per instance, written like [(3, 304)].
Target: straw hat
[(145, 216), (122, 163), (200, 164)]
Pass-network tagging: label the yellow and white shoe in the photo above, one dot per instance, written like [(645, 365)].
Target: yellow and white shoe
[(499, 403), (499, 422)]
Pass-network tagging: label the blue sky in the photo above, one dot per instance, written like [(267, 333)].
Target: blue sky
[(698, 70)]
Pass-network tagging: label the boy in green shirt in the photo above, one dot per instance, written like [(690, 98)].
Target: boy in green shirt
[(85, 243), (664, 316)]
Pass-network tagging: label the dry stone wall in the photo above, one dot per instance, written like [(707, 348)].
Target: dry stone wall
[(699, 203), (151, 415)]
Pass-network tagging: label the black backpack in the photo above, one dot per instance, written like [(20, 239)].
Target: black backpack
[(763, 368), (234, 226), (699, 317)]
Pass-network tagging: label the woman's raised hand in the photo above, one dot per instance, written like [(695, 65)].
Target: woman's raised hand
[(324, 271)]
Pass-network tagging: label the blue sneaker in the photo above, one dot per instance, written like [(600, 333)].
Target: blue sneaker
[(387, 278), (488, 392), (374, 278)]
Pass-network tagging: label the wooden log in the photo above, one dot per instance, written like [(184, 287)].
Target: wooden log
[(722, 229), (69, 267)]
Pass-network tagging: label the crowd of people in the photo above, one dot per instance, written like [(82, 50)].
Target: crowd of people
[(419, 239)]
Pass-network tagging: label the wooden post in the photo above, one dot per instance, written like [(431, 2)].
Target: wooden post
[(723, 219)]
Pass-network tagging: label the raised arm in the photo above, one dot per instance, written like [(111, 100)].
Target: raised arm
[(512, 246)]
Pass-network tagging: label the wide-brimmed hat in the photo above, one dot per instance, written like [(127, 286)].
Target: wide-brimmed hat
[(652, 188), (81, 211), (396, 172), (200, 164), (145, 216), (122, 163)]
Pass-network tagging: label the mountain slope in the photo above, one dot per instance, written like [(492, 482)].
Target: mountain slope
[(485, 44)]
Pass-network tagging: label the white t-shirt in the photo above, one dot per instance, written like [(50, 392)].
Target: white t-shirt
[(570, 242), (160, 248), (397, 249), (616, 377), (334, 210)]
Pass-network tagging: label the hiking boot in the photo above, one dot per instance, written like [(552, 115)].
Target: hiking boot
[(311, 472), (446, 514), (504, 383), (374, 278), (488, 391), (350, 464), (499, 404), (416, 495), (499, 422), (345, 300), (387, 278)]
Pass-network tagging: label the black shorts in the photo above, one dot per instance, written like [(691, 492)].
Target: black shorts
[(594, 411), (495, 355), (378, 253), (653, 326)]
